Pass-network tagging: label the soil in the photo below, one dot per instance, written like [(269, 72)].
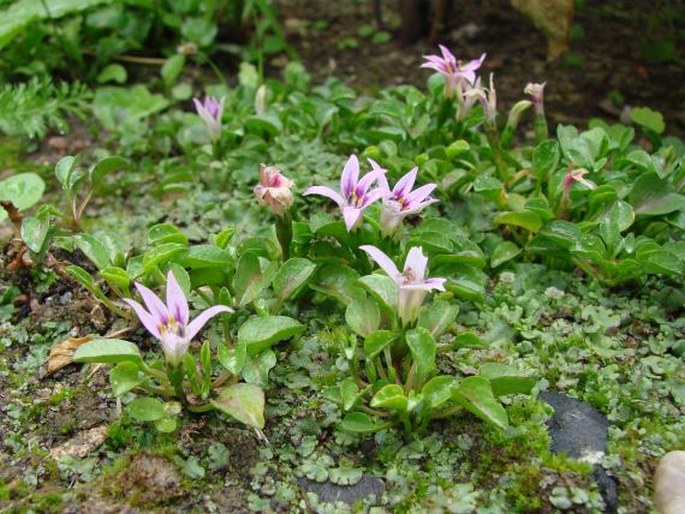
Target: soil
[(604, 69)]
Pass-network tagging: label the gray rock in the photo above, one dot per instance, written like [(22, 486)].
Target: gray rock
[(350, 494), (669, 483), (576, 428), (581, 431)]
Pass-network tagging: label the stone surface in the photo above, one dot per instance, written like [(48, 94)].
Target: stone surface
[(669, 483), (581, 431), (576, 428), (350, 494)]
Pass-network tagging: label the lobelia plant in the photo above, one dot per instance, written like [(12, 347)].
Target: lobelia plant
[(274, 191), (402, 201), (355, 193), (398, 383), (211, 111), (180, 379)]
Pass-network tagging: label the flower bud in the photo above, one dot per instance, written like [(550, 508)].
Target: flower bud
[(274, 190)]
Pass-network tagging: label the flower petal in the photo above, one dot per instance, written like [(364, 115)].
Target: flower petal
[(414, 197), (199, 322), (351, 215), (368, 179), (349, 177), (328, 193), (156, 307), (383, 261), (176, 300), (404, 185), (436, 283), (446, 54), (416, 262), (149, 322)]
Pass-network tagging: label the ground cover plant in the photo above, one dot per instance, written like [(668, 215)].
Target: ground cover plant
[(276, 294)]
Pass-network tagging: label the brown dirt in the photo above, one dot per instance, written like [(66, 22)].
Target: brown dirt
[(604, 61)]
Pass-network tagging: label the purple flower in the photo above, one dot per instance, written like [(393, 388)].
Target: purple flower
[(452, 69), (211, 112), (487, 98), (401, 200), (577, 176), (354, 195), (169, 322), (411, 283)]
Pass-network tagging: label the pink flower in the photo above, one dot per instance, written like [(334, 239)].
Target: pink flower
[(354, 195), (537, 92), (411, 283), (402, 201), (452, 69), (211, 112), (577, 176), (169, 322), (487, 98), (274, 190)]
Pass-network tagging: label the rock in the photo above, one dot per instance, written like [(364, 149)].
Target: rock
[(580, 431), (669, 483), (576, 428), (350, 494), (81, 445)]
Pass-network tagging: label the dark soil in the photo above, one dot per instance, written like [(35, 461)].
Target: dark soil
[(605, 69)]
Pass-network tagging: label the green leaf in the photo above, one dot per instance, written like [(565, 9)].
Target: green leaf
[(423, 350), (172, 68), (207, 256), (250, 280), (468, 340), (161, 254), (24, 190), (82, 276), (264, 123), (244, 402), (647, 118), (232, 359), (362, 316), (64, 168), (349, 393), (292, 275), (125, 377), (22, 13), (105, 166), (375, 343), (258, 334), (652, 196), (108, 351), (256, 369), (361, 423), (545, 159), (338, 281), (505, 380), (94, 250), (115, 106), (438, 390), (529, 220), (475, 394), (145, 408), (166, 233), (116, 277), (437, 317), (390, 396), (112, 73), (383, 288), (503, 252)]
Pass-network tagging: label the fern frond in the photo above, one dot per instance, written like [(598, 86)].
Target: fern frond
[(30, 108)]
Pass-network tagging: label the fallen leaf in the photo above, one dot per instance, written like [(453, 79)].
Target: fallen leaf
[(62, 354), (553, 18), (82, 444)]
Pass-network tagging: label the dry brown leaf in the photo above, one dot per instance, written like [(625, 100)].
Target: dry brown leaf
[(62, 353), (553, 18), (82, 444)]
